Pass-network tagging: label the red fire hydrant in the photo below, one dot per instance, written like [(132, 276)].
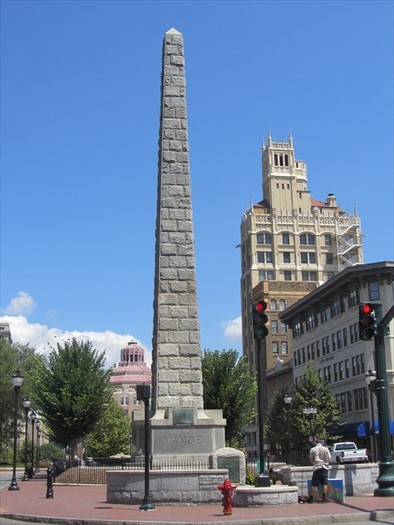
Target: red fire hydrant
[(228, 491)]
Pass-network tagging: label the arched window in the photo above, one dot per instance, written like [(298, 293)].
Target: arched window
[(273, 304), (282, 304), (124, 400)]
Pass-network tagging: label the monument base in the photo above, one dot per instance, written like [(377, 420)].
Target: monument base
[(181, 435)]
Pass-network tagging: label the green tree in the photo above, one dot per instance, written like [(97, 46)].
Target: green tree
[(111, 434), (276, 427), (13, 357), (228, 384), (51, 452), (73, 390), (311, 391)]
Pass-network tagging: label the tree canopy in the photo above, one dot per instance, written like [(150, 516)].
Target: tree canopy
[(13, 357), (111, 434), (228, 384), (311, 391), (73, 390)]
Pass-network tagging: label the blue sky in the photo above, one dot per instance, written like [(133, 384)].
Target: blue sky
[(80, 98)]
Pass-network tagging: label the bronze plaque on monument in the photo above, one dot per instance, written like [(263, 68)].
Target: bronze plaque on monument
[(182, 417), (232, 464)]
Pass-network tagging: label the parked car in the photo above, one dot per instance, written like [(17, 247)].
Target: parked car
[(347, 452)]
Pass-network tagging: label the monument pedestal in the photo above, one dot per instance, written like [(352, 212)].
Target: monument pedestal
[(181, 435)]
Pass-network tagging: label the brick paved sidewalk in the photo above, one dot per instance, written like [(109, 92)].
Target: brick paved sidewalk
[(86, 505)]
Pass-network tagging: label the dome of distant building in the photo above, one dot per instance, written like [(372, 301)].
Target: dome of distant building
[(131, 371)]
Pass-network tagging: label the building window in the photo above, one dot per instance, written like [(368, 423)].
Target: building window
[(281, 159), (353, 333), (373, 291), (264, 238), (344, 333), (339, 339), (317, 349), (285, 238), (335, 372), (286, 257), (336, 307), (264, 257), (283, 328), (307, 238), (308, 257), (353, 298), (342, 402), (124, 400), (328, 239), (323, 316), (266, 275), (282, 304), (333, 342), (283, 346), (275, 347), (310, 322), (273, 304), (329, 258), (274, 327), (349, 402), (347, 369), (309, 276), (287, 275)]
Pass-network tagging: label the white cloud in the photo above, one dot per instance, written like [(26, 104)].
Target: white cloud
[(42, 338), (233, 330), (23, 304)]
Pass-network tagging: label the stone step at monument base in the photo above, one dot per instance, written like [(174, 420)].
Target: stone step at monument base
[(190, 488)]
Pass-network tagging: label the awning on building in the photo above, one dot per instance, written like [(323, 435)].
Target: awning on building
[(359, 429), (376, 427)]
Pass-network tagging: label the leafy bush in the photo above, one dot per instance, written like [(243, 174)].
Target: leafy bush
[(51, 452)]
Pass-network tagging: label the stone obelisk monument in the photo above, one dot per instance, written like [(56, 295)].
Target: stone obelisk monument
[(181, 429)]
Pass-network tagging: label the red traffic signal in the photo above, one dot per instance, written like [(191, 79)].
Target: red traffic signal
[(367, 308), (261, 306), (366, 321), (260, 319)]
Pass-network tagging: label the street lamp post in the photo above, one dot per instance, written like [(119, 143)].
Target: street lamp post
[(370, 378), (288, 399), (38, 445), (26, 405), (32, 416), (310, 413), (17, 380), (143, 394)]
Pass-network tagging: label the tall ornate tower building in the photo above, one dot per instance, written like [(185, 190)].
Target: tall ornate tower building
[(290, 243), (131, 371)]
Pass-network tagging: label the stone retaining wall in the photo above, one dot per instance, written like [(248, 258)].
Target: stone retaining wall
[(166, 486), (357, 479)]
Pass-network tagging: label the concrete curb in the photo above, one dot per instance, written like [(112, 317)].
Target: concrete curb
[(299, 520)]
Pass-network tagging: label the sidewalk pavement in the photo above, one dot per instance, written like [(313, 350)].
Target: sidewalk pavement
[(87, 505)]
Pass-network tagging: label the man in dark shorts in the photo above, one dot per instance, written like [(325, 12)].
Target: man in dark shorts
[(320, 458)]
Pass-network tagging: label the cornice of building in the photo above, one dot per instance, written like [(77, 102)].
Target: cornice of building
[(358, 273)]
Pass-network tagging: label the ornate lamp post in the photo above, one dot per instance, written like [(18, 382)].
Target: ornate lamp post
[(17, 380), (310, 413), (370, 378), (288, 399), (143, 394), (32, 416), (38, 445), (26, 405)]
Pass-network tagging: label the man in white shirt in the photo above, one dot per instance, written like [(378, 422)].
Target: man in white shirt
[(320, 458)]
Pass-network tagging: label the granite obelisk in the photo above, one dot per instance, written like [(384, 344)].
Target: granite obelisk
[(176, 360), (180, 426)]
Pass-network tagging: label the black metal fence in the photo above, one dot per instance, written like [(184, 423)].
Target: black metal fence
[(94, 470)]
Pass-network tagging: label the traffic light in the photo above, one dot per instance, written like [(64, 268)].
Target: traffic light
[(366, 321), (259, 320)]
